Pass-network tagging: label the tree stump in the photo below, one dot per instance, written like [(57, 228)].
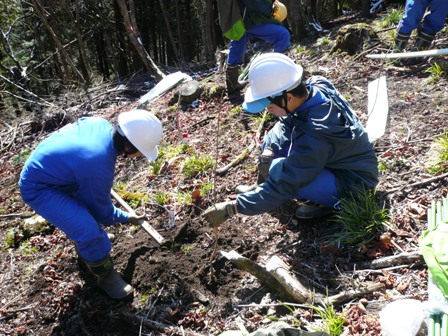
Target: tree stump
[(354, 38)]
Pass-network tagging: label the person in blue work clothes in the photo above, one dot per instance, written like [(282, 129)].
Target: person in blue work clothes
[(432, 23), (68, 180), (318, 151), (262, 19)]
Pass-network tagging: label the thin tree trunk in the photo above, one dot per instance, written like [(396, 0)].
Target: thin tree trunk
[(134, 36), (66, 60), (169, 30), (84, 62), (206, 32)]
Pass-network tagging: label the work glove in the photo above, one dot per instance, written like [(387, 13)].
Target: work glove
[(135, 219), (220, 212), (265, 163)]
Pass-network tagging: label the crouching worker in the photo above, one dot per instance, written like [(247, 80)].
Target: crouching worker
[(318, 151), (68, 180)]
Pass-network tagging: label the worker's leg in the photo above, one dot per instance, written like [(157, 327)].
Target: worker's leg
[(70, 216), (322, 190), (413, 15), (435, 20), (277, 35)]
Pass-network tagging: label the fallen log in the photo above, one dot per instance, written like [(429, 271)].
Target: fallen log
[(291, 285), (258, 271), (277, 277)]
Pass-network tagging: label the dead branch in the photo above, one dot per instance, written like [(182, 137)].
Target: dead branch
[(343, 297), (417, 184), (20, 215), (245, 152), (402, 258)]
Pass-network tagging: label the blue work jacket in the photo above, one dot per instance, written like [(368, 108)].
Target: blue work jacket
[(78, 160), (322, 133)]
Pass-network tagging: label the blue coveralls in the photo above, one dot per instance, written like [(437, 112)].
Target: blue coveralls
[(321, 153), (413, 14), (259, 24), (68, 180)]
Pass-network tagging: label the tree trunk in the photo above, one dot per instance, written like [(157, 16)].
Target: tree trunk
[(130, 24), (365, 9), (297, 18), (84, 62), (168, 29), (204, 11), (66, 60)]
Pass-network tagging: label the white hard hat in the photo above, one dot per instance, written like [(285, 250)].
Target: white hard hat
[(143, 130), (269, 75)]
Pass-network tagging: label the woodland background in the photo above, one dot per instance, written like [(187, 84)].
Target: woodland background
[(51, 46)]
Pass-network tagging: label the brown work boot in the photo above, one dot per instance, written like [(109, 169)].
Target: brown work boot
[(109, 279)]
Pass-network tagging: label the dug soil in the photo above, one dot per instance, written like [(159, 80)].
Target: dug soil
[(185, 286)]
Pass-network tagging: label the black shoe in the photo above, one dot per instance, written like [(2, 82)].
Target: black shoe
[(307, 211)]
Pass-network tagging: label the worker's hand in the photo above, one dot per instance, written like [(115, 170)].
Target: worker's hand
[(220, 212), (134, 218)]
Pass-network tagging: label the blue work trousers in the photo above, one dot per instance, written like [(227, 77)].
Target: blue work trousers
[(277, 35), (72, 217), (322, 190), (413, 15)]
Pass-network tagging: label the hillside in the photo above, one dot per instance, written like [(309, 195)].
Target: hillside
[(186, 287)]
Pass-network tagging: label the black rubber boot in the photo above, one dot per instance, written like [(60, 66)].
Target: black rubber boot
[(401, 41), (423, 42), (232, 83), (109, 280)]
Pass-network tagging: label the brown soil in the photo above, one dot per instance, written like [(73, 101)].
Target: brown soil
[(185, 286)]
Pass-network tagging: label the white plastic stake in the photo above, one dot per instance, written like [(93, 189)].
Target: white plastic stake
[(378, 108), (410, 54)]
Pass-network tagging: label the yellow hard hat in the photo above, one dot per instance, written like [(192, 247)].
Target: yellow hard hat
[(280, 11)]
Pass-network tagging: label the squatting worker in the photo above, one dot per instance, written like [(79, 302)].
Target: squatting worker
[(318, 151), (68, 180), (262, 20)]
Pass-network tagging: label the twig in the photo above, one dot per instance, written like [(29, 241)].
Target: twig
[(20, 215), (245, 152), (402, 258), (417, 184)]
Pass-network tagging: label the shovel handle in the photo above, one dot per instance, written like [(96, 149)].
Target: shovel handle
[(146, 226)]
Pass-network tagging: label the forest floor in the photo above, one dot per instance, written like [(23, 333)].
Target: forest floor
[(186, 286)]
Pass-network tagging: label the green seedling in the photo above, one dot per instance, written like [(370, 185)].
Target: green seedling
[(19, 159), (437, 71), (323, 40), (333, 322), (438, 156), (235, 111), (206, 188), (360, 217), (187, 248), (184, 197), (195, 165), (134, 199), (161, 197), (391, 19)]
